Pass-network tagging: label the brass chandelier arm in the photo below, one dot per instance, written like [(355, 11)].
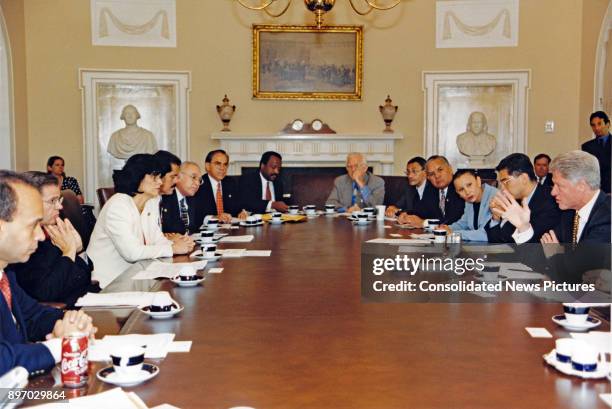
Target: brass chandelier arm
[(280, 13), (372, 3), (260, 7), (361, 13)]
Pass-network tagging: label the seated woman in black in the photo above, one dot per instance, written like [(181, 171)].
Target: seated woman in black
[(55, 167), (55, 272)]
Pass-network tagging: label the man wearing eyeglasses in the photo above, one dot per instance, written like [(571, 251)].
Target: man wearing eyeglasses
[(517, 183), (417, 179), (181, 212), (218, 195), (440, 200), (55, 272)]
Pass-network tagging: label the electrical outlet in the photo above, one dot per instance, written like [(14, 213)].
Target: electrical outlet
[(549, 127)]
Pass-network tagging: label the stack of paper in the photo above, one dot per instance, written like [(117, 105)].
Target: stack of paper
[(120, 299), (114, 398), (229, 253), (237, 239), (156, 345), (258, 253), (600, 340), (158, 269)]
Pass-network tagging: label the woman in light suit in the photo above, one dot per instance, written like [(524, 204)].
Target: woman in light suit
[(476, 213), (124, 235)]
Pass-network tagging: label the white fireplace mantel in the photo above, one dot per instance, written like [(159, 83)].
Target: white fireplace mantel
[(309, 150)]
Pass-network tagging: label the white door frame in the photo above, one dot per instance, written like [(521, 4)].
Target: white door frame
[(600, 59), (7, 128)]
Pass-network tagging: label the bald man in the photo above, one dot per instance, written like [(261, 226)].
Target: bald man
[(358, 188)]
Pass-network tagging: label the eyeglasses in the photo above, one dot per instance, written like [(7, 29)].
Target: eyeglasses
[(195, 178), (505, 181), (56, 201)]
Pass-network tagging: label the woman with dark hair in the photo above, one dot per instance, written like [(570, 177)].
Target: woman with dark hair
[(123, 235), (55, 166)]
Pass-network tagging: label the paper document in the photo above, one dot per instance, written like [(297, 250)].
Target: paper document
[(156, 345), (120, 299), (180, 346), (258, 253), (166, 270), (599, 340), (114, 398), (237, 239), (229, 253), (538, 332), (382, 240)]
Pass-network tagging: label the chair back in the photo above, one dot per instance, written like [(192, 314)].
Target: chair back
[(104, 193)]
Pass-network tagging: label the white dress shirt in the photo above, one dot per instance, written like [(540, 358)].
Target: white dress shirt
[(421, 189), (265, 182), (584, 213)]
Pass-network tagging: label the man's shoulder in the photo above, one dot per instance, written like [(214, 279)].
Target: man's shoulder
[(589, 145), (376, 180), (342, 179)]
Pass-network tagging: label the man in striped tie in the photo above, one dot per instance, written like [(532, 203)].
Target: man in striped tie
[(180, 210)]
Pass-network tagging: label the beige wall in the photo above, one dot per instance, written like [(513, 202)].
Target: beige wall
[(13, 12), (214, 43), (592, 18)]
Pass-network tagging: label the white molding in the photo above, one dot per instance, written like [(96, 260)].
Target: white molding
[(600, 59), (89, 79), (520, 80), (309, 150), (133, 23), (477, 23), (7, 116)]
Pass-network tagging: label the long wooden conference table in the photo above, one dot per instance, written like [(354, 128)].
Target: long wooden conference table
[(291, 331)]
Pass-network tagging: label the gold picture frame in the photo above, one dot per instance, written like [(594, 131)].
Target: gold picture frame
[(307, 63)]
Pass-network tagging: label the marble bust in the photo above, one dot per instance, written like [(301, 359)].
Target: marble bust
[(476, 143), (131, 139)]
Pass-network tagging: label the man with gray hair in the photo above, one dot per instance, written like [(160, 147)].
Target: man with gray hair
[(358, 188), (586, 209)]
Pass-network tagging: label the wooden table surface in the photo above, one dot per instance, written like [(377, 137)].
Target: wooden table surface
[(290, 331)]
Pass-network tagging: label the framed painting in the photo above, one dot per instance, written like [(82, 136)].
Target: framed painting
[(306, 62)]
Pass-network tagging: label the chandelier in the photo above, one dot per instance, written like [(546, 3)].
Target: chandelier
[(318, 7)]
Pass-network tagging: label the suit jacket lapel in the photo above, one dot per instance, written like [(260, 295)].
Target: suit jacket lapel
[(598, 202)]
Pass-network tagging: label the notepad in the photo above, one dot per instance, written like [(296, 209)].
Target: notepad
[(237, 239), (258, 253)]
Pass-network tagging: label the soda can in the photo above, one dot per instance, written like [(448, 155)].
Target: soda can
[(74, 360)]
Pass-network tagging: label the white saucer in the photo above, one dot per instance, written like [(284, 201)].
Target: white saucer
[(192, 283), (362, 222), (590, 323), (500, 277), (602, 368), (330, 213), (244, 224), (162, 314), (109, 375), (276, 221), (198, 255)]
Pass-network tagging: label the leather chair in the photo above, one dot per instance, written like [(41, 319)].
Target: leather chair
[(104, 193), (311, 188), (73, 211)]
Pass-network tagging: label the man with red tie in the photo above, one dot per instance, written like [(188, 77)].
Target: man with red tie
[(218, 195), (23, 321), (262, 191)]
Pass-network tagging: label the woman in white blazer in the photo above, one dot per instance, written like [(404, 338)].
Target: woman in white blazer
[(124, 234), (476, 213)]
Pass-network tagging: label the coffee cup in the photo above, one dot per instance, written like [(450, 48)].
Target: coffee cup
[(207, 236), (564, 348), (330, 208), (187, 273), (370, 211), (293, 209), (439, 235), (310, 209), (161, 302), (251, 220), (209, 249), (490, 272), (586, 358), (212, 224), (380, 212), (575, 313), (432, 223), (127, 360), (277, 215)]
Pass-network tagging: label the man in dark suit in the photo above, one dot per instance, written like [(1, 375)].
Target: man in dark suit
[(600, 146), (180, 211), (23, 321), (540, 166), (218, 196), (440, 200), (262, 191), (55, 272), (518, 183), (417, 179)]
